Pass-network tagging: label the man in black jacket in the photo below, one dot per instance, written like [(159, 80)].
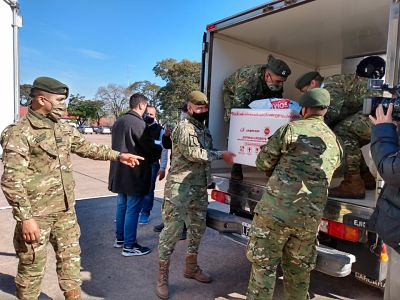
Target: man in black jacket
[(130, 134)]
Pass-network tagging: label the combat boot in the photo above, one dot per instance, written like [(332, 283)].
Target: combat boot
[(162, 280), (193, 271), (351, 187), (369, 180), (74, 294)]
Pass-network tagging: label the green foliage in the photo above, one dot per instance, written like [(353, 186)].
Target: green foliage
[(146, 88), (115, 98), (181, 78), (84, 109), (24, 91)]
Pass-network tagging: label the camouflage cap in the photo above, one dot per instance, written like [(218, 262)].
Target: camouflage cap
[(50, 85), (279, 67), (306, 78), (198, 98), (317, 97)]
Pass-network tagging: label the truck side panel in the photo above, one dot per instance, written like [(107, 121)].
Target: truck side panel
[(7, 65)]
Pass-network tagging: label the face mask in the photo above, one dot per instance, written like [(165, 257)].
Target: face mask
[(57, 111), (201, 117), (148, 119), (273, 87)]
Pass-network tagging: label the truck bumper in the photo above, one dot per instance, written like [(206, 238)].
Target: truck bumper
[(329, 261)]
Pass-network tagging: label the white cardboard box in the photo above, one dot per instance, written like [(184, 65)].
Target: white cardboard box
[(249, 129)]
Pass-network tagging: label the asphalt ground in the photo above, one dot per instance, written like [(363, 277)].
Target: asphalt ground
[(108, 275)]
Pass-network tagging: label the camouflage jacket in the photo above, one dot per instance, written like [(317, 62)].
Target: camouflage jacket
[(244, 86), (37, 178), (192, 152), (302, 157), (347, 94)]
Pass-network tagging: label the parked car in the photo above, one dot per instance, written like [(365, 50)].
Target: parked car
[(96, 129), (85, 129), (102, 129), (105, 130)]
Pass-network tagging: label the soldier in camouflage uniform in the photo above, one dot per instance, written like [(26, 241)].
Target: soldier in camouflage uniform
[(345, 118), (300, 158), (185, 196), (38, 184), (251, 83)]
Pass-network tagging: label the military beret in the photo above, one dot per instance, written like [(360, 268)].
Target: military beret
[(317, 97), (306, 78), (50, 85), (198, 98), (279, 67)]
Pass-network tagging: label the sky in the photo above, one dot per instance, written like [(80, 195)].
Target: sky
[(91, 43)]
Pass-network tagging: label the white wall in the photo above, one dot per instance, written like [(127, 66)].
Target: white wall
[(6, 66)]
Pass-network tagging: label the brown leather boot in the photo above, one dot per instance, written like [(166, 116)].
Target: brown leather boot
[(162, 280), (369, 180), (192, 270), (351, 187), (74, 294)]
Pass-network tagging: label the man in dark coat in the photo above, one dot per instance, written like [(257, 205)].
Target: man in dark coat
[(385, 220), (129, 134)]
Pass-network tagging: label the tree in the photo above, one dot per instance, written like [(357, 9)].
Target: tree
[(24, 91), (148, 89), (114, 97), (181, 78), (84, 109)]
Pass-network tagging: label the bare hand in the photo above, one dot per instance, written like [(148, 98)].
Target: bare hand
[(130, 159), (380, 116), (30, 231), (228, 156), (161, 174)]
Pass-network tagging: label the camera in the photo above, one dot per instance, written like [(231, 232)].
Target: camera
[(371, 103)]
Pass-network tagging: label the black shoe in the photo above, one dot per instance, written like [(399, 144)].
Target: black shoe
[(158, 228), (136, 250)]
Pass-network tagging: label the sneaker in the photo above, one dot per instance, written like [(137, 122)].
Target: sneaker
[(144, 219), (158, 228), (137, 250), (118, 244)]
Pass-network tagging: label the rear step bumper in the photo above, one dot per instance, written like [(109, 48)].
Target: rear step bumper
[(329, 261)]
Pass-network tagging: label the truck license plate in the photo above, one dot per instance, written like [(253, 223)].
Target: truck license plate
[(245, 229)]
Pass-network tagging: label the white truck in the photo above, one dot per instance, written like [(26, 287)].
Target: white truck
[(10, 21), (330, 36)]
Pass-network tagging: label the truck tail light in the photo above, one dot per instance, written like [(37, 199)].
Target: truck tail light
[(384, 255), (220, 196), (340, 230), (210, 27)]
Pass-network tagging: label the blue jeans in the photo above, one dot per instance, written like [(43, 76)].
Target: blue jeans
[(149, 198), (127, 216)]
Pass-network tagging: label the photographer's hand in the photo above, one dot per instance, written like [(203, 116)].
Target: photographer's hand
[(380, 116)]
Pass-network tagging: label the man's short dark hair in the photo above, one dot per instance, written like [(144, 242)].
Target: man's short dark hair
[(137, 99)]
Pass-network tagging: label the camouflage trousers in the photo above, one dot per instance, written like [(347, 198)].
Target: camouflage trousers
[(183, 204), (271, 243), (354, 132), (63, 232)]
